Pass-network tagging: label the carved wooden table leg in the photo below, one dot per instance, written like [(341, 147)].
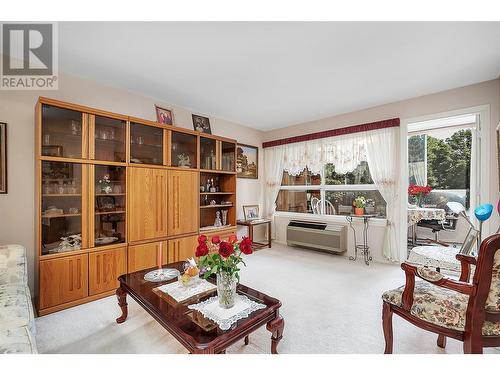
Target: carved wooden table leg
[(246, 340), (276, 327), (121, 294)]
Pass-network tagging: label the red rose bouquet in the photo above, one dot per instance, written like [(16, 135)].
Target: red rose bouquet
[(419, 192), (217, 256)]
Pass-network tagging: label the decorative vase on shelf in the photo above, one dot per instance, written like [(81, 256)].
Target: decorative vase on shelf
[(359, 211), (224, 217), (226, 289)]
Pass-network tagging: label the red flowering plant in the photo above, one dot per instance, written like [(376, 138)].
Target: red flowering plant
[(419, 192), (222, 256)]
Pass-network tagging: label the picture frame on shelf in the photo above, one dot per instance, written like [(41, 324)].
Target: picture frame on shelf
[(247, 161), (201, 124), (3, 158), (251, 212), (164, 116)]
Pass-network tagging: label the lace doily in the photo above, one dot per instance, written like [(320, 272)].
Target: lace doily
[(225, 318), (181, 293)]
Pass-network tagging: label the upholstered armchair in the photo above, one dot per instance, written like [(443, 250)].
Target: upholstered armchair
[(459, 309)]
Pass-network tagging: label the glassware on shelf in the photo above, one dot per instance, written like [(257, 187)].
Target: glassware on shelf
[(61, 132)]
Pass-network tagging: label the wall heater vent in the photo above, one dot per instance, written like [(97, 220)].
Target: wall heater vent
[(317, 235)]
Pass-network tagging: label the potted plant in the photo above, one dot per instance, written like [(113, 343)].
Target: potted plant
[(418, 193), (222, 258), (359, 205)]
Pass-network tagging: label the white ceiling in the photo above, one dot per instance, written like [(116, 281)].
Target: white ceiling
[(272, 75)]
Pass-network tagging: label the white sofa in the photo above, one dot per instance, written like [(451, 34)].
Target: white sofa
[(17, 323)]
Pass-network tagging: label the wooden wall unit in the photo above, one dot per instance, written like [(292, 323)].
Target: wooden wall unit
[(132, 189)]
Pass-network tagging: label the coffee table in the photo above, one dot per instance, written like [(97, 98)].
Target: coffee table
[(196, 333)]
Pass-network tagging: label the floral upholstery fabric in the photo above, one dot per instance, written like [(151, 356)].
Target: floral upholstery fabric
[(428, 274), (15, 307), (17, 325), (493, 300), (439, 306), (13, 265)]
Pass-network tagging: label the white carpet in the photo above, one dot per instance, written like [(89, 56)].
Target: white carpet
[(330, 305)]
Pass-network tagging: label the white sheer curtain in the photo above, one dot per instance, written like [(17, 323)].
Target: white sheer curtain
[(417, 170), (346, 152), (383, 160), (273, 168)]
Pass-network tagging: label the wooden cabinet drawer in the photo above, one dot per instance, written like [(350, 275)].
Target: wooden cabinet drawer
[(145, 256), (104, 269), (181, 249), (63, 280)]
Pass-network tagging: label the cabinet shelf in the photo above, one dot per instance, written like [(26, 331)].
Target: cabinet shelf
[(216, 206), (109, 212), (60, 215), (110, 194), (219, 193), (61, 195)]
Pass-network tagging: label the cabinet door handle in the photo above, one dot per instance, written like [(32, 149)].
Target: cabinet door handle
[(70, 263), (79, 273)]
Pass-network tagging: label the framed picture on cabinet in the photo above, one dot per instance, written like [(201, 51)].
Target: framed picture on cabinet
[(3, 158), (201, 124), (164, 116), (247, 161)]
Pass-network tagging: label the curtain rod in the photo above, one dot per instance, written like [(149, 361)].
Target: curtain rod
[(335, 132)]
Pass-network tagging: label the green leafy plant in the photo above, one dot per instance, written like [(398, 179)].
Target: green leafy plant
[(360, 202)]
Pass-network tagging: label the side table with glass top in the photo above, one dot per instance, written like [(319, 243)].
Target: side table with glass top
[(364, 248)]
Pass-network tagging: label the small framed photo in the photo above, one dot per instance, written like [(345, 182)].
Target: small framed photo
[(247, 161), (201, 124), (251, 212), (164, 116), (3, 158)]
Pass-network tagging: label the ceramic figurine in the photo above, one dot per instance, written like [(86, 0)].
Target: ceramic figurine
[(184, 161), (218, 222)]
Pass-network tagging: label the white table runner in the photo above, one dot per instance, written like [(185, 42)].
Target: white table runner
[(181, 293)]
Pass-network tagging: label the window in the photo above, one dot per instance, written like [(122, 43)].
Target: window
[(329, 193), (441, 158)]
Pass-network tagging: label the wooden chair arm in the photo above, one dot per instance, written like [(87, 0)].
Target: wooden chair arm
[(466, 261), (432, 277)]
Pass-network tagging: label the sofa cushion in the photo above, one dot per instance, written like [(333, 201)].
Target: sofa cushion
[(17, 340), (13, 265), (16, 309), (439, 306)]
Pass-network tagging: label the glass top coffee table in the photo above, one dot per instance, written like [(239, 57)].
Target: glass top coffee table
[(195, 332)]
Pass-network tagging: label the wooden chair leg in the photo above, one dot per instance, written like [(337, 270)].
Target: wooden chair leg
[(387, 325), (473, 346), (441, 341)]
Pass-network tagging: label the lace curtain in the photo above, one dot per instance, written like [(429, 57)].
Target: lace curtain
[(382, 148), (273, 169), (346, 152)]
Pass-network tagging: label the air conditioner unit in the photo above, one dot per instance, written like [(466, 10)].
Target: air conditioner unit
[(317, 235)]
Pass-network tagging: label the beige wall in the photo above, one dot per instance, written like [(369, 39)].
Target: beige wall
[(485, 93), (17, 110)]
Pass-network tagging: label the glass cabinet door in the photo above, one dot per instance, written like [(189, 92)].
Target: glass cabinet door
[(146, 144), (109, 205), (208, 153), (61, 132), (62, 206), (183, 150), (228, 156), (109, 139)]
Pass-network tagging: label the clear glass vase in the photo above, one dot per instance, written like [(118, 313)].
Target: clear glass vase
[(226, 289)]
